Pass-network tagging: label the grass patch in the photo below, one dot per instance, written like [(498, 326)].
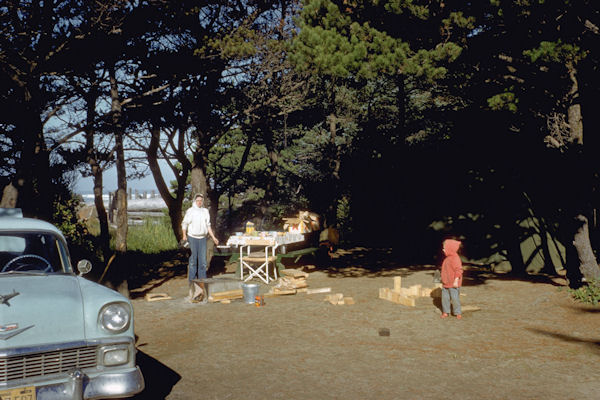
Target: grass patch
[(589, 294), (153, 236)]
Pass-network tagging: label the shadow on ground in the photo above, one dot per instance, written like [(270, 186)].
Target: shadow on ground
[(159, 378), (149, 271), (384, 262)]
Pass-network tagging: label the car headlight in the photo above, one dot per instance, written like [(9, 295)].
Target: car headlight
[(115, 355), (115, 317)]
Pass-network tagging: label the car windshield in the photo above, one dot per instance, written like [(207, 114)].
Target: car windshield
[(31, 251)]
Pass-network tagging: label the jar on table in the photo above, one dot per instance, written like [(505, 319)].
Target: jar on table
[(249, 227)]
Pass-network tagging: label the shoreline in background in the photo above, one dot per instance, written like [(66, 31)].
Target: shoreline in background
[(136, 204)]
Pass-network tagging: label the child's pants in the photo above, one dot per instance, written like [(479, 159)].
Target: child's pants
[(451, 295)]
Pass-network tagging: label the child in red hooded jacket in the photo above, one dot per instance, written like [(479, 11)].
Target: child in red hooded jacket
[(451, 275)]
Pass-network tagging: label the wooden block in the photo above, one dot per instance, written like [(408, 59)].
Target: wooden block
[(318, 290), (299, 283), (335, 299), (426, 292), (414, 290), (348, 300), (294, 273), (302, 290), (157, 296), (226, 301), (229, 295), (397, 283), (385, 293), (469, 308), (406, 301), (275, 292), (226, 293)]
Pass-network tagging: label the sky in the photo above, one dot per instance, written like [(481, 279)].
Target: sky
[(85, 185)]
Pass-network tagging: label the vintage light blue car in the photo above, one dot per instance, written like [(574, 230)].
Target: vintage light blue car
[(61, 336)]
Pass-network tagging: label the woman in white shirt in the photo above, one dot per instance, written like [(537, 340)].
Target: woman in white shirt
[(195, 227)]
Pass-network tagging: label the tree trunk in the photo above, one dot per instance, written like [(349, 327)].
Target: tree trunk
[(121, 236), (34, 166), (334, 165), (581, 239), (587, 261), (97, 171), (174, 203), (271, 189), (198, 174), (574, 112), (102, 216), (119, 273)]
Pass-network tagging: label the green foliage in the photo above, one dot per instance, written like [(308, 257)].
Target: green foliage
[(335, 42), (557, 52), (503, 101), (155, 235), (402, 6), (589, 294), (75, 231)]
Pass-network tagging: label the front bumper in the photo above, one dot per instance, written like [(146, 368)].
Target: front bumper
[(106, 385)]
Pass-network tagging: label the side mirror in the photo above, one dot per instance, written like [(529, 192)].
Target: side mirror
[(84, 266)]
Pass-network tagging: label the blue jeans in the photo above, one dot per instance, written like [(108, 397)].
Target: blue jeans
[(197, 264), (451, 295)]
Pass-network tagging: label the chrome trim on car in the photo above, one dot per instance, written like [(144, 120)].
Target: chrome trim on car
[(67, 345), (80, 386)]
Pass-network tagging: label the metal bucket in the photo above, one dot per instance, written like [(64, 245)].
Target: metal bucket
[(250, 291)]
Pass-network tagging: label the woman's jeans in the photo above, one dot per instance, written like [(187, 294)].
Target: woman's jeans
[(197, 264), (451, 295)]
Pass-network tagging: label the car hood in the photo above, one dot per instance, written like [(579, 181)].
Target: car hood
[(48, 309)]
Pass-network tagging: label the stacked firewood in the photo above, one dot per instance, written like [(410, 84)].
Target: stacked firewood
[(290, 281)]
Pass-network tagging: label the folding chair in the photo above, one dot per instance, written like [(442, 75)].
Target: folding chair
[(257, 263)]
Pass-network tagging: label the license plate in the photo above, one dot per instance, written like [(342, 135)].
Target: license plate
[(24, 393)]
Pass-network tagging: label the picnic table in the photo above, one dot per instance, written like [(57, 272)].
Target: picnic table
[(273, 243)]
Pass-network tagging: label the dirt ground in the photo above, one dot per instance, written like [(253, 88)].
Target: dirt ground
[(529, 340)]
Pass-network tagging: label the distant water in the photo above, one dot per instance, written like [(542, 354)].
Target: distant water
[(148, 203), (88, 198)]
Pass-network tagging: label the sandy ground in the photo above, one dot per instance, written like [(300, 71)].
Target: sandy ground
[(529, 340)]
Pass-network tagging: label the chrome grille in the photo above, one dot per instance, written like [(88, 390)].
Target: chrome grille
[(46, 363)]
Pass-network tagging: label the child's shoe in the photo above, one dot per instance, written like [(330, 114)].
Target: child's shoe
[(444, 315), (459, 316)]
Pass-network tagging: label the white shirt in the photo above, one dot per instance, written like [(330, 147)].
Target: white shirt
[(196, 222)]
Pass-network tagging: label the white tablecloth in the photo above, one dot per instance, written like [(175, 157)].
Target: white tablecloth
[(265, 238)]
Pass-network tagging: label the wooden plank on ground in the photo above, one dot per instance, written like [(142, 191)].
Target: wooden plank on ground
[(229, 294), (318, 290), (226, 295), (274, 293), (157, 296)]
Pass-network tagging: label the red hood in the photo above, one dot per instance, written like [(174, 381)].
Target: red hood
[(451, 247)]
